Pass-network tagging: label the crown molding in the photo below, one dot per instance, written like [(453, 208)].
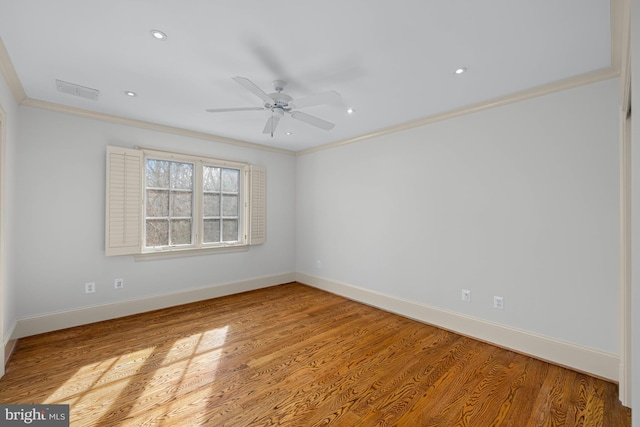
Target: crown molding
[(35, 103), (10, 75), (13, 81), (619, 64), (572, 82)]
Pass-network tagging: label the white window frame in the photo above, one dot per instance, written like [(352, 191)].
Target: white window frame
[(125, 231)]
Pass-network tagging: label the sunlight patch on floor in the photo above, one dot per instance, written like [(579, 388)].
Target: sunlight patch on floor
[(190, 365), (99, 374), (154, 377)]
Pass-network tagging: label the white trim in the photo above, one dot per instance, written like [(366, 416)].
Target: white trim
[(66, 319), (179, 253), (10, 76), (570, 83), (8, 346), (8, 351), (592, 361), (617, 17), (621, 28), (624, 297), (6, 68), (35, 103), (3, 210)]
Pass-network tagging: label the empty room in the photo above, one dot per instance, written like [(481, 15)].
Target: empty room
[(413, 213)]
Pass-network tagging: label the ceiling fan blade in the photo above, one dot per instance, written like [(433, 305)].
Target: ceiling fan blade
[(271, 125), (224, 110), (317, 99), (250, 86), (312, 120)]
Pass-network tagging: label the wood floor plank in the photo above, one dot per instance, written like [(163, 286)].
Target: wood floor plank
[(292, 355)]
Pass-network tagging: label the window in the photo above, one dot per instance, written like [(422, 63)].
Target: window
[(221, 189), (168, 203), (159, 202)]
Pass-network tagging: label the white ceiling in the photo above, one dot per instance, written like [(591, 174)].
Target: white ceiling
[(392, 61)]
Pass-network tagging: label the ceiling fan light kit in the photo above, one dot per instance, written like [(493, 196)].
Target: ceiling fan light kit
[(280, 103)]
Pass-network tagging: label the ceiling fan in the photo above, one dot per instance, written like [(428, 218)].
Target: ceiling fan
[(279, 104)]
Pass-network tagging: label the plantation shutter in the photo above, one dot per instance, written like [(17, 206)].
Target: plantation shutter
[(257, 205), (123, 228)]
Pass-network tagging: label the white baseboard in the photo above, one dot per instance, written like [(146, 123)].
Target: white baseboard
[(7, 348), (82, 316), (588, 360)]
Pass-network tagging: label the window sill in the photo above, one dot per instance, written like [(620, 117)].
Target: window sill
[(179, 253)]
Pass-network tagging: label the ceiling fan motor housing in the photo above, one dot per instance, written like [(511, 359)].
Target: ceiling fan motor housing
[(280, 100)]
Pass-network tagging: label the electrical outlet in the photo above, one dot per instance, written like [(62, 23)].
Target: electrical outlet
[(118, 283), (498, 303), (466, 295), (89, 287), (318, 265)]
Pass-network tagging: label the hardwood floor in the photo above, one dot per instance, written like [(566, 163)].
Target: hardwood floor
[(296, 356)]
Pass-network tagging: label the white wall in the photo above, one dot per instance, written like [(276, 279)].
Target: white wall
[(10, 107), (60, 176), (519, 201)]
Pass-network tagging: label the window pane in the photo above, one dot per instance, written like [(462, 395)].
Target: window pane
[(230, 230), (182, 175), (157, 203), (157, 232), (211, 179), (157, 173), (229, 205), (181, 203), (180, 231), (211, 230), (230, 179), (211, 205)]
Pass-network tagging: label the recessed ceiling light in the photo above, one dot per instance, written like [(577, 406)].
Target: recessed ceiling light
[(461, 70), (351, 111), (130, 93), (288, 133), (158, 34)]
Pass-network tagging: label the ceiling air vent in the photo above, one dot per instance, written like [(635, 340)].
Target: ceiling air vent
[(77, 90)]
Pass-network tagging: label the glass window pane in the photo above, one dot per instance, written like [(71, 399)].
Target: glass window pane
[(157, 203), (211, 179), (211, 230), (229, 205), (230, 230), (181, 203), (157, 173), (230, 178), (211, 205), (182, 175), (157, 232), (180, 231)]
